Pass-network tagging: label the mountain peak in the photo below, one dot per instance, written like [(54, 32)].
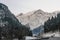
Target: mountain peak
[(20, 14), (39, 11)]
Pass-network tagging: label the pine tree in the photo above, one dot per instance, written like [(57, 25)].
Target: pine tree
[(52, 24)]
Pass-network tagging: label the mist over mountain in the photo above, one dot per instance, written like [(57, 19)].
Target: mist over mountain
[(35, 18)]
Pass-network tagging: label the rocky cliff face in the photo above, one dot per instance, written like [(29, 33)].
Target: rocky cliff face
[(35, 18)]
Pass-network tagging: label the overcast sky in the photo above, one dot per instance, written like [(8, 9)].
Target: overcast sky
[(18, 6)]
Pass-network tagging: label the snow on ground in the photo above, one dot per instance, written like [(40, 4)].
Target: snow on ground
[(54, 34)]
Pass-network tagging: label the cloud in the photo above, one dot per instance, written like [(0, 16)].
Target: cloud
[(27, 5)]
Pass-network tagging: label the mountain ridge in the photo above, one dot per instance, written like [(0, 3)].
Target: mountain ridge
[(36, 18)]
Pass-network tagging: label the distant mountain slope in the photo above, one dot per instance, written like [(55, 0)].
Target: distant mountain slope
[(35, 18)]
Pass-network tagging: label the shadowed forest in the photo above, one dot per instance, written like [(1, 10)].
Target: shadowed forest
[(10, 27), (52, 24)]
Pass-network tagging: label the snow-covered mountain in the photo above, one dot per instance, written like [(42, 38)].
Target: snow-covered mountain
[(35, 18)]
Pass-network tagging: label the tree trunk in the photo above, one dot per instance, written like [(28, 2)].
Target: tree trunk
[(19, 38), (0, 33), (0, 38)]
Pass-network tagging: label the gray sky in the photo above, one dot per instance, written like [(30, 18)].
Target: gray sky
[(24, 6)]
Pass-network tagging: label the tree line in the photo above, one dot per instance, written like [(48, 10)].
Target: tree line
[(52, 24)]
